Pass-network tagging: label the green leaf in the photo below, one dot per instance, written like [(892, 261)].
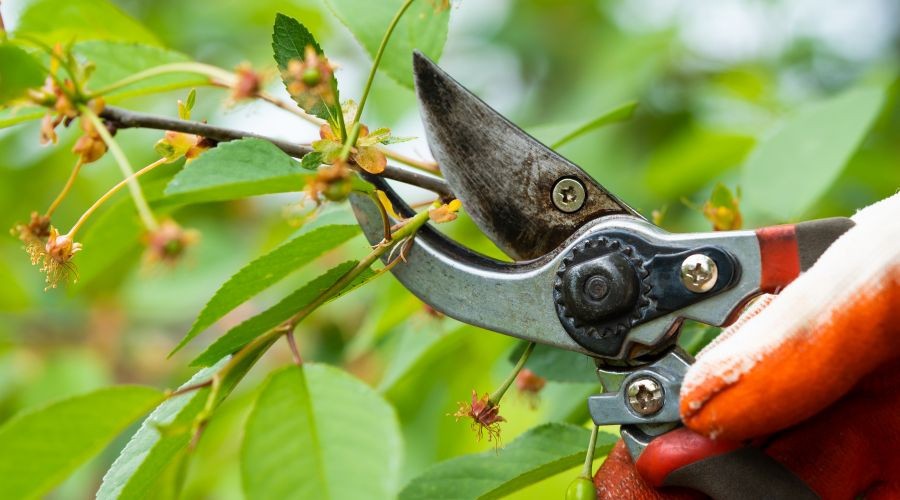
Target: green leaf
[(156, 444), (266, 271), (560, 134), (52, 21), (19, 71), (618, 114), (416, 352), (557, 365), (311, 161), (237, 169), (792, 168), (289, 41), (41, 447), (694, 158), (317, 432), (535, 455), (422, 28), (240, 335)]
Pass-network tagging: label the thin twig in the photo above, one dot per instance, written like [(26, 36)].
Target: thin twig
[(123, 118), (292, 343), (290, 107), (428, 166), (384, 216), (190, 388), (137, 194)]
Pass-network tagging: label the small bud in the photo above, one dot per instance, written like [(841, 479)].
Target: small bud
[(581, 488), (338, 191), (529, 382), (311, 76), (337, 174), (169, 242), (90, 146)]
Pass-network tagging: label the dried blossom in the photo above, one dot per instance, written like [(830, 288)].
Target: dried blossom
[(365, 154), (33, 235), (434, 313), (169, 242), (722, 209), (56, 260), (440, 5), (174, 145), (90, 147), (331, 181), (248, 83), (309, 81), (446, 212), (60, 106), (485, 416), (530, 385)]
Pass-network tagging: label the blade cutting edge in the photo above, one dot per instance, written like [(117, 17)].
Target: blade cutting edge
[(504, 177)]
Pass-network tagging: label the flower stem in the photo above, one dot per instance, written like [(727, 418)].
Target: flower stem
[(139, 201), (589, 457), (290, 107), (350, 141), (497, 395), (215, 74), (109, 194), (65, 190), (378, 55)]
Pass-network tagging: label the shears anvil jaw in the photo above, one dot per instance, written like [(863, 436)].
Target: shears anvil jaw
[(643, 400)]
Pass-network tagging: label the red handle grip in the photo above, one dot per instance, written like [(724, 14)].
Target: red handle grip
[(788, 250), (720, 469)]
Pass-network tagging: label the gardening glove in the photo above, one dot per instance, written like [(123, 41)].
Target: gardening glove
[(811, 375)]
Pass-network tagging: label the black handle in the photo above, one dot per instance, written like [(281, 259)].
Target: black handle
[(815, 236), (742, 474)]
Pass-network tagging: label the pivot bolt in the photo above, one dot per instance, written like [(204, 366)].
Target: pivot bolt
[(597, 287), (645, 396), (699, 273), (568, 195)]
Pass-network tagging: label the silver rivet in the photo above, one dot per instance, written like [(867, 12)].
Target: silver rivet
[(699, 273), (568, 194), (645, 396)]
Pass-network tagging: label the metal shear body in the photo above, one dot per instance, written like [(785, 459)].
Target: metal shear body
[(591, 276)]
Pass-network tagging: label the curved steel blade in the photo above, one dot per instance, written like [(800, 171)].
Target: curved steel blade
[(517, 298), (503, 176)]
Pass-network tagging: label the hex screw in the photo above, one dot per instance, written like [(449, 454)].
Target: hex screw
[(644, 396), (568, 195), (699, 273)]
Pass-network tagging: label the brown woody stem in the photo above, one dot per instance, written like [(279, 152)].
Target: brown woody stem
[(123, 118)]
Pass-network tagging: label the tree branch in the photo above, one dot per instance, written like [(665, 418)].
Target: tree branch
[(123, 118)]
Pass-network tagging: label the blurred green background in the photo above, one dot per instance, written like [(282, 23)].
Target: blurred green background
[(714, 79)]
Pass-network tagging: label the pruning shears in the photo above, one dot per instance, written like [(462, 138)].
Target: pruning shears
[(591, 275)]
